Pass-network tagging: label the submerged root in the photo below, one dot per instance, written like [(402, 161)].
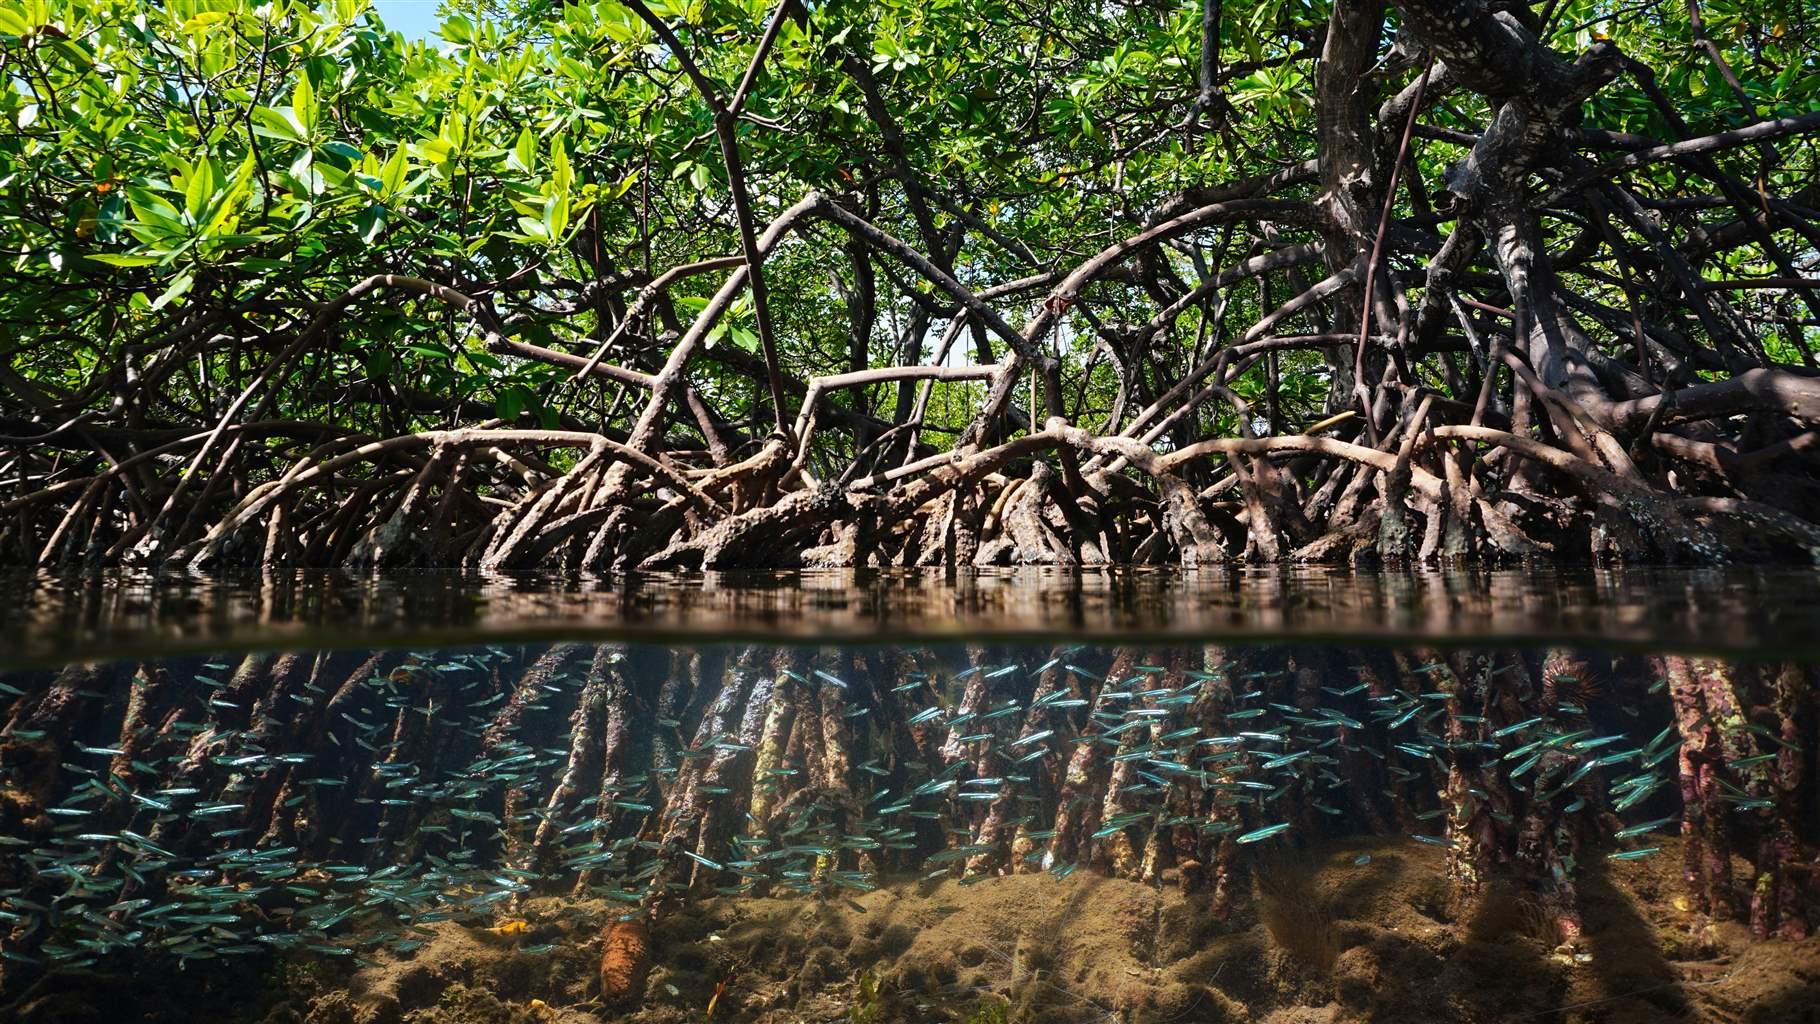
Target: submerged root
[(1502, 911), (1299, 917)]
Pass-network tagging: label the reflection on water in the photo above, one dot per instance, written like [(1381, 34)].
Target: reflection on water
[(558, 806), (47, 619)]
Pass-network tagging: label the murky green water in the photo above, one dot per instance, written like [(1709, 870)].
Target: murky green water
[(307, 800)]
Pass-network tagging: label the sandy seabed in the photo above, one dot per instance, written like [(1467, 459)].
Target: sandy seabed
[(1360, 934)]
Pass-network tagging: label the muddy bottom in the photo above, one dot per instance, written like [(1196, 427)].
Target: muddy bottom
[(1361, 934)]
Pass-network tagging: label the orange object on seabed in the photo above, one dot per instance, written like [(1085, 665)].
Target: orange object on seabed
[(719, 990), (623, 960)]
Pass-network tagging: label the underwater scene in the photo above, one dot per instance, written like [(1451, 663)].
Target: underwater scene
[(1038, 829)]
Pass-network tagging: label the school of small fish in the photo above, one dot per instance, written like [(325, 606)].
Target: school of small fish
[(133, 862)]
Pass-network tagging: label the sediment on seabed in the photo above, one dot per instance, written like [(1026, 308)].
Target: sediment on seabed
[(1088, 949)]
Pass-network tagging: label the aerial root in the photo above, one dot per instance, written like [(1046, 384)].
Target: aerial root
[(1435, 492)]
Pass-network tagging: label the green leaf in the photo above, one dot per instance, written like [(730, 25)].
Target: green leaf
[(562, 175), (120, 259), (391, 176), (370, 223), (303, 102), (279, 123), (13, 22), (200, 188), (435, 150), (523, 156), (509, 403), (457, 29), (178, 288), (151, 209), (556, 215)]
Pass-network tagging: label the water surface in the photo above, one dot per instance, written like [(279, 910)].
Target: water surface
[(49, 618)]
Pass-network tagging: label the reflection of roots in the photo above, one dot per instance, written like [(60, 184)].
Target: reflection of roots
[(1299, 919), (626, 954)]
